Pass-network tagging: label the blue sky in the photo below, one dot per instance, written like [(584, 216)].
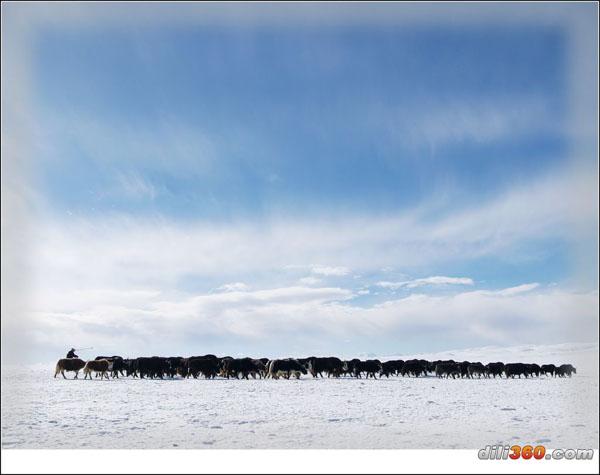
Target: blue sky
[(303, 118), (233, 175)]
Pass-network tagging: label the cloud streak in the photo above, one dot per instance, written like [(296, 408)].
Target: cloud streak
[(435, 280), (476, 120), (136, 186), (309, 280), (234, 287), (330, 271)]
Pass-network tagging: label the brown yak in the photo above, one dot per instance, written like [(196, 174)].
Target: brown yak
[(69, 364), (99, 366)]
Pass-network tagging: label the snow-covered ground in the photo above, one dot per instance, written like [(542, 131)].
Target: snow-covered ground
[(39, 411)]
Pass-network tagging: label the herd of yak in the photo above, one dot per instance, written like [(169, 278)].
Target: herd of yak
[(211, 366)]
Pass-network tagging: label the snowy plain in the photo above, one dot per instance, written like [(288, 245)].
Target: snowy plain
[(39, 411)]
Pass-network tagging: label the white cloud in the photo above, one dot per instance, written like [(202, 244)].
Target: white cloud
[(234, 287), (309, 280), (124, 253), (435, 280), (318, 269), (476, 120), (519, 289), (384, 284), (134, 185), (492, 315), (301, 314), (330, 271), (440, 280), (283, 295), (168, 146)]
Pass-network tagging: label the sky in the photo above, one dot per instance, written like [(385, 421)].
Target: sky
[(296, 179)]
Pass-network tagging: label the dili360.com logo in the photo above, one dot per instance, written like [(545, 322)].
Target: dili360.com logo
[(538, 452)]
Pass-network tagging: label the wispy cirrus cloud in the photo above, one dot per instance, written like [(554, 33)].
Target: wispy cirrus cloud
[(478, 120), (330, 271), (309, 280), (321, 270), (134, 185), (130, 251), (234, 287), (435, 280), (168, 146), (519, 289)]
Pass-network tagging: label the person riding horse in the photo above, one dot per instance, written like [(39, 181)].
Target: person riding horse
[(71, 354)]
